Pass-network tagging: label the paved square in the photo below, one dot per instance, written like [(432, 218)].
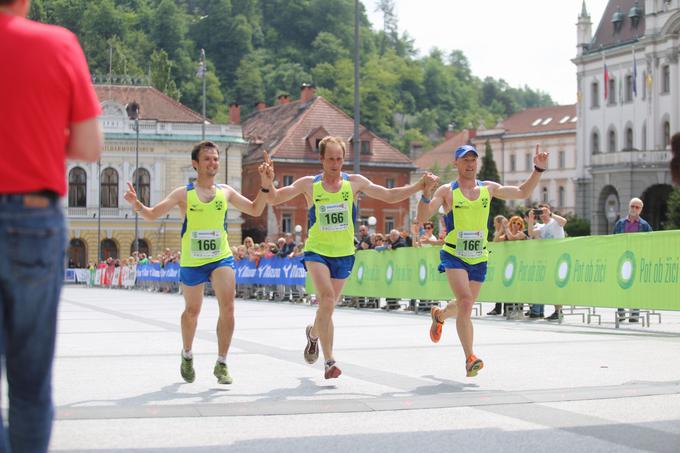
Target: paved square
[(545, 387)]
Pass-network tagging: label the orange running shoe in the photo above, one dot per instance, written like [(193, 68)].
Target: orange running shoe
[(436, 327), (473, 365)]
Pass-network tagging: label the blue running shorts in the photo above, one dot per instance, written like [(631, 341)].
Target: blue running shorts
[(340, 267), (476, 272), (192, 276)]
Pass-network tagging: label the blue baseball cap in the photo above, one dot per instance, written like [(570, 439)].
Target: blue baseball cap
[(463, 150)]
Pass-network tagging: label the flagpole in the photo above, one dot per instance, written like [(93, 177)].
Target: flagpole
[(605, 83), (203, 68), (634, 88)]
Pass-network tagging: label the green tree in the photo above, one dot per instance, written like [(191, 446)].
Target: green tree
[(168, 27), (489, 172), (249, 84), (576, 226), (673, 212), (161, 74), (328, 48)]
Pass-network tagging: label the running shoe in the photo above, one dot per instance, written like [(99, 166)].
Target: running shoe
[(312, 348), (332, 371), (473, 365), (221, 372), (436, 327), (186, 369)]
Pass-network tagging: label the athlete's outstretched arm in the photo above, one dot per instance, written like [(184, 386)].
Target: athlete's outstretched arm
[(525, 189), (152, 213), (242, 203), (427, 210), (392, 195), (300, 186)]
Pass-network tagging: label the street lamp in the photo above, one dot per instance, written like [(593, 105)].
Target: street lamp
[(298, 230), (99, 213), (133, 113), (371, 224)]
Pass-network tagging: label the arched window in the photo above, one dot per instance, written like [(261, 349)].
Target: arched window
[(629, 138), (644, 137), (666, 134), (544, 198), (109, 188), (143, 185), (595, 142), (143, 247), (109, 249), (77, 188), (611, 141), (560, 197), (77, 254)]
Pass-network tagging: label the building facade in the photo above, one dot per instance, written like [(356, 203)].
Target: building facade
[(514, 141), (100, 220), (628, 84)]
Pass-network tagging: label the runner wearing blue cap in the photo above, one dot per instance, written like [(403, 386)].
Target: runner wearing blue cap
[(464, 255)]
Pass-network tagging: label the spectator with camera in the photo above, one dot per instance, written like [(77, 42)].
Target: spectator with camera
[(428, 239), (551, 226)]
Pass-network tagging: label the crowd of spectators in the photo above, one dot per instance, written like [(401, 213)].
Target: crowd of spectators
[(419, 236), (283, 247), (164, 258)]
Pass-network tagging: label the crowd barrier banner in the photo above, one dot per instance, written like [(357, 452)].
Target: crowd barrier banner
[(271, 271), (626, 270)]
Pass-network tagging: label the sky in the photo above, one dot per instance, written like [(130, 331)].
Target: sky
[(524, 42)]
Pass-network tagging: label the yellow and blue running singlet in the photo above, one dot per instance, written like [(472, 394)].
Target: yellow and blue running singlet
[(204, 233), (331, 220), (467, 225)]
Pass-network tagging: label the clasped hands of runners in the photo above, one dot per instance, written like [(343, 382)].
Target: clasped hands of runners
[(428, 183)]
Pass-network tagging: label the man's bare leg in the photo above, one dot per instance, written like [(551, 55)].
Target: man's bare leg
[(466, 292), (193, 299), (325, 294), (223, 283)]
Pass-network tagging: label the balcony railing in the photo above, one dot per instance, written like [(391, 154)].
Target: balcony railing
[(91, 212), (637, 158)]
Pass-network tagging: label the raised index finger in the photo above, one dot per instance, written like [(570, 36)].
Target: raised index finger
[(130, 187), (266, 157)]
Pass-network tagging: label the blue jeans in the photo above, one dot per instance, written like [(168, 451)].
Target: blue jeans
[(537, 309), (32, 249)]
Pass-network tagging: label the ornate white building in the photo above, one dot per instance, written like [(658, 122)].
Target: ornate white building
[(628, 111)]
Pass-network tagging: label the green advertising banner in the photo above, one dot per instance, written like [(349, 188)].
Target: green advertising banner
[(625, 270)]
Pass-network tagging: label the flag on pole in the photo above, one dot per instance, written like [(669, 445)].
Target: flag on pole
[(634, 75), (201, 65), (606, 82)]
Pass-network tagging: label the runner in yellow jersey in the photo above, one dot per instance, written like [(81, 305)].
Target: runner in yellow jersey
[(206, 255), (329, 250), (466, 202)]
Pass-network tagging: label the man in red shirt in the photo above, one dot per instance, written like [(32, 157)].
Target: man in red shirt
[(49, 113)]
